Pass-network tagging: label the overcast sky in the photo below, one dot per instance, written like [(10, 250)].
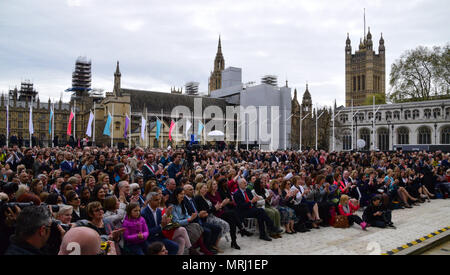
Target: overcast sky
[(167, 43)]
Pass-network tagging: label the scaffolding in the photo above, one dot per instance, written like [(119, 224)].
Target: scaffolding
[(269, 80), (27, 92), (192, 88), (81, 77)]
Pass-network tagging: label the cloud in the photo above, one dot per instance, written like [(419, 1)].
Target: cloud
[(164, 44)]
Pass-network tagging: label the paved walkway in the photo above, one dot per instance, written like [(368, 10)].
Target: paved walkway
[(411, 224)]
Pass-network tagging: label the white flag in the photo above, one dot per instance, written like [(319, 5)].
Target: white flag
[(143, 125), (31, 120), (89, 127), (188, 125)]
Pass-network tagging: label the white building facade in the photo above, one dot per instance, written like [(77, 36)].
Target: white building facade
[(393, 126), (271, 103)]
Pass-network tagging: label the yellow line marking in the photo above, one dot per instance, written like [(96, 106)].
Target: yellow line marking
[(444, 229), (422, 239), (405, 246), (437, 232), (414, 242), (395, 250), (429, 235)]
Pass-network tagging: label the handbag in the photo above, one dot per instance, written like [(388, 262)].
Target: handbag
[(171, 226), (341, 221)]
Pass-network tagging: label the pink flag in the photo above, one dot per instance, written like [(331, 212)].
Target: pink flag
[(69, 125), (172, 124)]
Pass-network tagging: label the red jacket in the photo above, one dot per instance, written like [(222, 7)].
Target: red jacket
[(352, 209)]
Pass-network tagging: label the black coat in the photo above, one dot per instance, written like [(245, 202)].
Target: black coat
[(83, 215), (368, 215), (202, 205)]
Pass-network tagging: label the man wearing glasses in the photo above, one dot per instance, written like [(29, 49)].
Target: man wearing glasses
[(33, 227)]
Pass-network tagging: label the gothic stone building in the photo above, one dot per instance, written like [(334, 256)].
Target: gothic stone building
[(364, 71), (19, 108), (396, 125), (215, 80)]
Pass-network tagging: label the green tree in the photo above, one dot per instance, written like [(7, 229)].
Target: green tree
[(379, 99), (421, 74)]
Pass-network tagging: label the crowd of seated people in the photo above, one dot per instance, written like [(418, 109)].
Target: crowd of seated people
[(186, 201)]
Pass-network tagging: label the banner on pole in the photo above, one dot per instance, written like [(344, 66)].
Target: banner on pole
[(172, 125), (89, 127), (158, 128), (127, 123), (107, 130)]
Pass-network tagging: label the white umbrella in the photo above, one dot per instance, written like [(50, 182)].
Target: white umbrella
[(216, 133)]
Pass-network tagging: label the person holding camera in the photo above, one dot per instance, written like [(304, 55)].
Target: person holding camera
[(33, 226)]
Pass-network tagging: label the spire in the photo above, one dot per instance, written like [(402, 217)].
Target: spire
[(286, 83), (117, 76), (381, 48), (307, 95), (364, 23), (295, 94), (117, 70)]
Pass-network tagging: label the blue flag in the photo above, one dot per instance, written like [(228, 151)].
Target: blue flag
[(200, 129), (50, 122), (158, 128), (107, 130)]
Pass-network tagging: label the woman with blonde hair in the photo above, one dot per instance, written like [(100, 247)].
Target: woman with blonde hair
[(348, 208)]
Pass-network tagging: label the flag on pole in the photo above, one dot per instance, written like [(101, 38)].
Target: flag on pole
[(158, 128), (107, 130), (7, 119), (200, 128), (188, 125), (172, 125), (69, 125), (143, 125), (50, 121), (127, 123), (89, 127), (31, 129)]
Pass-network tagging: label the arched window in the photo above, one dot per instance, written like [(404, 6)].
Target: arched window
[(117, 125), (344, 118), (360, 116), (407, 114), (424, 135), (403, 135), (370, 115), (447, 112), (383, 139), (365, 135), (416, 114), (445, 135), (427, 113), (388, 115), (378, 116), (347, 141), (396, 115), (436, 112)]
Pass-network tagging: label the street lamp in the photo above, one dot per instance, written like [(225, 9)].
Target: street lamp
[(435, 129), (389, 126), (392, 136)]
